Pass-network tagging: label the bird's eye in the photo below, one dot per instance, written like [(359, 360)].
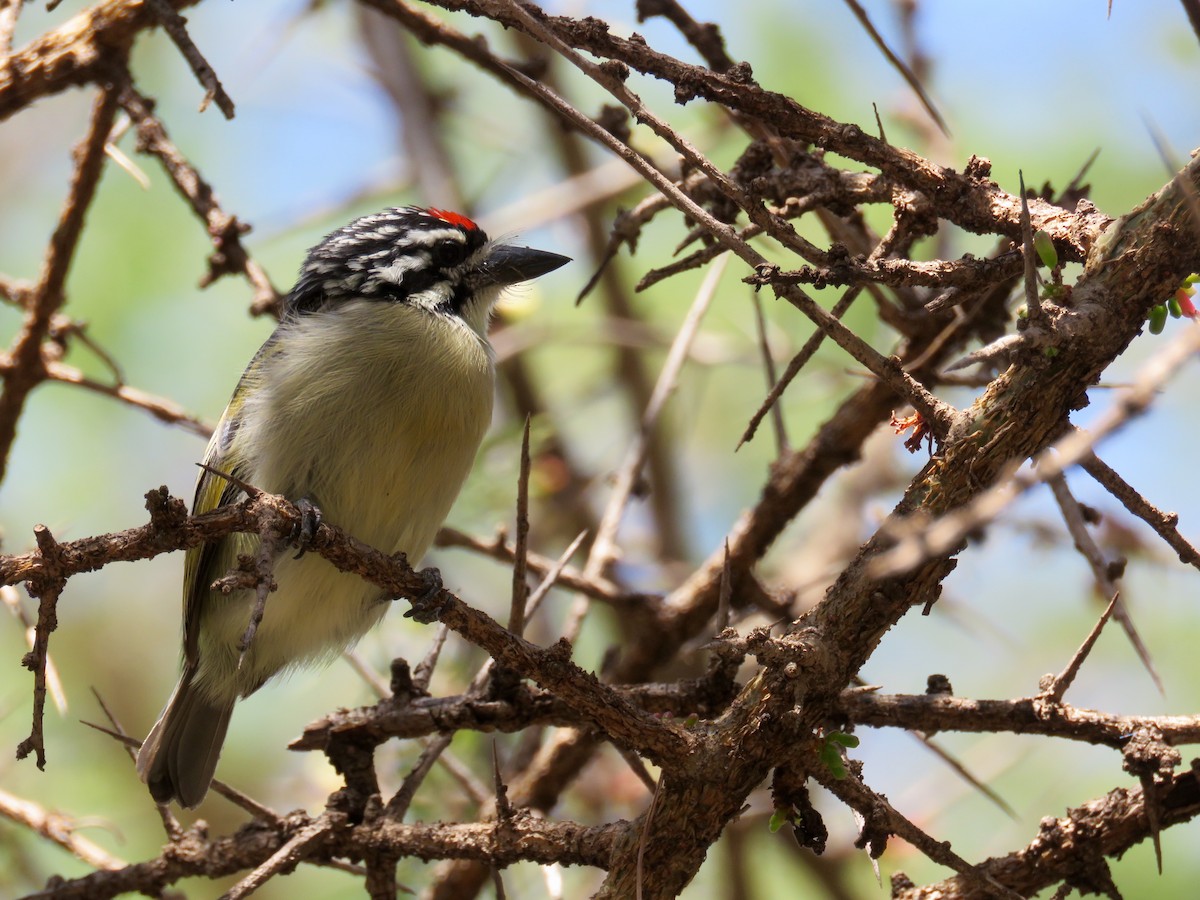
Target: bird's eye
[(448, 253)]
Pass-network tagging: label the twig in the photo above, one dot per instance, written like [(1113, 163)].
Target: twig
[(644, 833), (938, 414), (288, 856), (10, 598), (898, 64), (498, 883), (798, 362), (639, 770), (129, 746), (725, 594), (87, 48), (947, 532), (604, 545), (552, 576), (1164, 524), (46, 588), (705, 37), (239, 799), (58, 828), (960, 769), (1033, 302), (169, 822), (899, 273), (417, 104), (527, 838), (616, 86), (370, 677), (569, 577), (397, 806), (270, 543), (943, 713), (630, 368), (160, 407), (424, 671), (992, 209), (588, 189), (603, 550), (768, 361), (1101, 570), (852, 791), (504, 808), (1191, 7), (22, 369), (1113, 823), (400, 802), (1190, 196), (802, 186), (10, 10), (1058, 686), (175, 25), (472, 786), (520, 587), (522, 707), (224, 229)]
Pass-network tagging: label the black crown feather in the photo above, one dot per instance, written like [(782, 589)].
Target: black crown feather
[(388, 256)]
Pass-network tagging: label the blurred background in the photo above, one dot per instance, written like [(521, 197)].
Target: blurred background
[(320, 137)]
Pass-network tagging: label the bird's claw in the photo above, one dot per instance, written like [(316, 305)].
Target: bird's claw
[(306, 529), (429, 606)]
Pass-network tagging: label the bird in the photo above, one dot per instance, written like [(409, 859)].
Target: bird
[(367, 405)]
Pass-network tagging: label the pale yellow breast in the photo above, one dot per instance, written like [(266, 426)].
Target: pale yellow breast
[(376, 415)]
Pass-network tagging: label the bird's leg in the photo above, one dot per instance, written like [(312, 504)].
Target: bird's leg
[(306, 529), (428, 606)]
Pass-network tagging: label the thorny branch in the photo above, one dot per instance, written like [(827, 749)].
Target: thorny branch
[(22, 365), (931, 539), (714, 738), (229, 256)]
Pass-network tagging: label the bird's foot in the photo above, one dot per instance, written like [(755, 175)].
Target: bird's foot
[(306, 529), (428, 607)]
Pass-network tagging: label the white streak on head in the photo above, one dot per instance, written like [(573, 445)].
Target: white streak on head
[(430, 237), (395, 271)]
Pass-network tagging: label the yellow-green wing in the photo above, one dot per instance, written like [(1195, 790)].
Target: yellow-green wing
[(208, 562)]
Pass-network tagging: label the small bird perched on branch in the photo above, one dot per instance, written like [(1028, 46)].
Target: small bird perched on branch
[(366, 405)]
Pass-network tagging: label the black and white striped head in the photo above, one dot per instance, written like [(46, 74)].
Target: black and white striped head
[(429, 258)]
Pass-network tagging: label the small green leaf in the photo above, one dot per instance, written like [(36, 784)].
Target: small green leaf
[(1157, 318), (840, 737), (1045, 249), (1050, 352), (833, 760), (779, 818)]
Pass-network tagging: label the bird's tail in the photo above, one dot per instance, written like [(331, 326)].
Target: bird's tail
[(179, 756)]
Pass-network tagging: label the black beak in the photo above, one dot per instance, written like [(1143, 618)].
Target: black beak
[(510, 265)]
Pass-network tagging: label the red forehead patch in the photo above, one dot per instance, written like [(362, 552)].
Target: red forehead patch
[(453, 218)]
